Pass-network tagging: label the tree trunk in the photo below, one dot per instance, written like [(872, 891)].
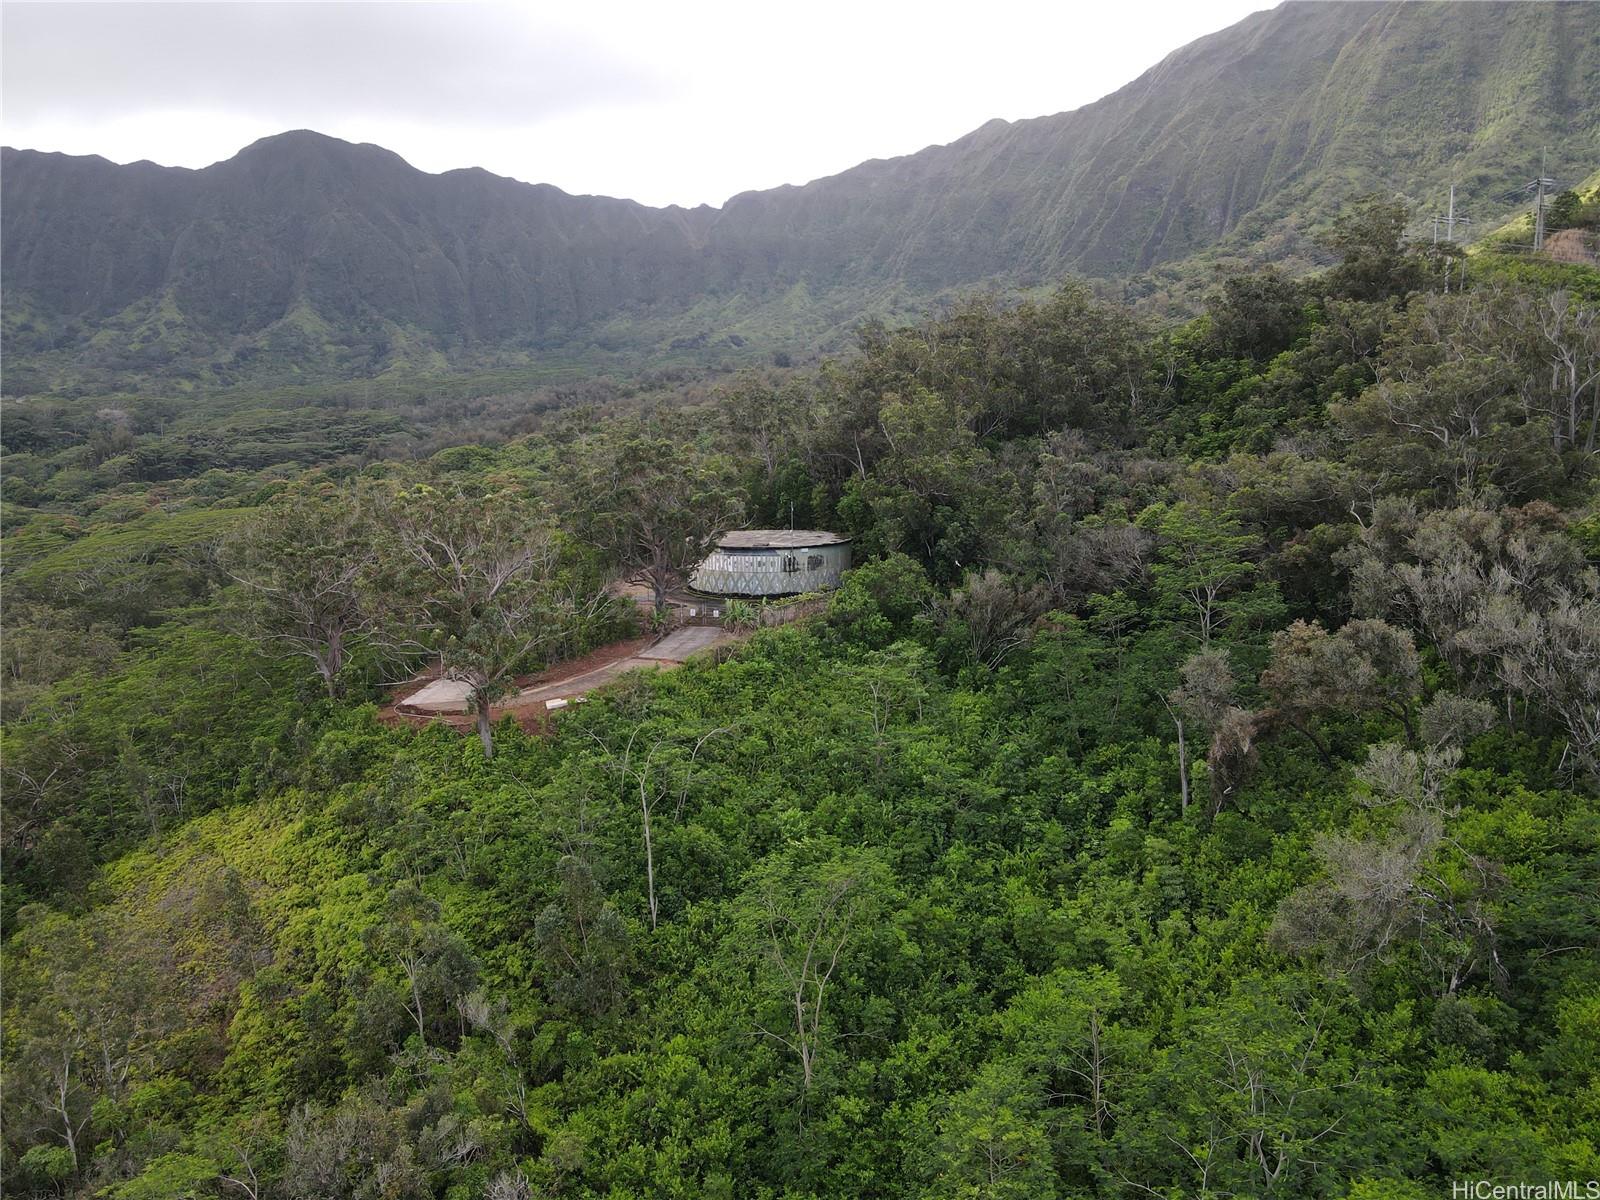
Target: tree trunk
[(63, 1108), (333, 664), (1183, 766), (649, 857), (416, 1003), (485, 730), (1322, 748), (1403, 711), (1097, 1076), (804, 1044)]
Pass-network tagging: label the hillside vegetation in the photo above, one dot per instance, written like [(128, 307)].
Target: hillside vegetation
[(306, 259), (1192, 791)]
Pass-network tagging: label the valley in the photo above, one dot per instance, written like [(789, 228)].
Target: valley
[(1061, 665)]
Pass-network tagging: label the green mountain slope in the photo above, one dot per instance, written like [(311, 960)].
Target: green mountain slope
[(308, 257), (1247, 133)]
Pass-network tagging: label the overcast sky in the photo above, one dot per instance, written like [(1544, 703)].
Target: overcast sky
[(662, 102)]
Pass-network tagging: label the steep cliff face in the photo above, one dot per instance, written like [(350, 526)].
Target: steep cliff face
[(325, 255), (1249, 133), (351, 230)]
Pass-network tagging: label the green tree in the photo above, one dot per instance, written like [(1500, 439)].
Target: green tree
[(1204, 569), (654, 506), (300, 560), (1258, 315), (992, 1142), (584, 940), (1443, 418), (880, 601), (1568, 209), (1069, 1027), (85, 1014), (991, 616), (802, 910), (478, 575), (1261, 1093), (1376, 260), (1367, 665), (435, 965), (652, 767)]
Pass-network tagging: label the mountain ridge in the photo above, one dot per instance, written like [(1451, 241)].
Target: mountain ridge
[(305, 255)]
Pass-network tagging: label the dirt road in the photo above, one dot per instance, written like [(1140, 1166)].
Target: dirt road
[(444, 700)]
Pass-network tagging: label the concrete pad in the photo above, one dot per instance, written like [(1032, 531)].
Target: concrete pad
[(681, 643), (442, 695)]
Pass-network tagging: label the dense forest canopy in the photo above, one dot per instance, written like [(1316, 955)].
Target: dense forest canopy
[(1193, 791)]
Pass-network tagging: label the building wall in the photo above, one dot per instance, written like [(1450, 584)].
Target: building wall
[(772, 572)]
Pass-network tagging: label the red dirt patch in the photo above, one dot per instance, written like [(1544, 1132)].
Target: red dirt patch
[(1572, 246)]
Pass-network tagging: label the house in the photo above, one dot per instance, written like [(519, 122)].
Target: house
[(773, 562)]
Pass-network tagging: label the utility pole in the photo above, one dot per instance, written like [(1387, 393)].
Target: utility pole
[(1538, 206), (1538, 186), (1449, 220)]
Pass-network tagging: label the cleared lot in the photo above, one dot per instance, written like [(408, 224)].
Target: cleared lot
[(447, 698)]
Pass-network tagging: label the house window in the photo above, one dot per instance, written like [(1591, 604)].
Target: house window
[(791, 563)]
